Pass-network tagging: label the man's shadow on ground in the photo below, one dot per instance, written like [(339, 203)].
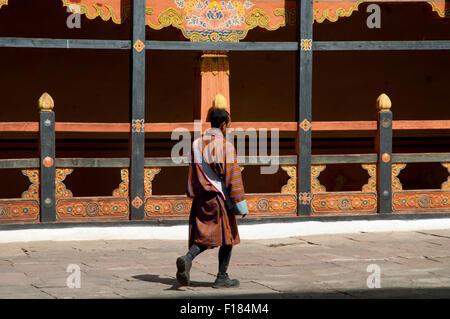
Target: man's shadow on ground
[(171, 281)]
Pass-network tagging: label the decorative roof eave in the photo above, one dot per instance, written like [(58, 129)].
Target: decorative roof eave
[(116, 10), (223, 20), (439, 7), (229, 24), (335, 10), (3, 3), (323, 10)]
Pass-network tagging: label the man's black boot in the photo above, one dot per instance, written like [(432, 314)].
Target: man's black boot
[(223, 281), (184, 264)]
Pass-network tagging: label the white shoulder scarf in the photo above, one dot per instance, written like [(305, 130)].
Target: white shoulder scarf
[(209, 174)]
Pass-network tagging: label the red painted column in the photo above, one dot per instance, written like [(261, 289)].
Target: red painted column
[(214, 73)]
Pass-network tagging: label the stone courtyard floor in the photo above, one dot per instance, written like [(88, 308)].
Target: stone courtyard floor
[(409, 264)]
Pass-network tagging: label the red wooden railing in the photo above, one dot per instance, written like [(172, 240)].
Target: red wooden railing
[(282, 126)]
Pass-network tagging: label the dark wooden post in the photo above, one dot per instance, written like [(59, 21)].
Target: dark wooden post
[(137, 111), (304, 62), (384, 150), (47, 158)]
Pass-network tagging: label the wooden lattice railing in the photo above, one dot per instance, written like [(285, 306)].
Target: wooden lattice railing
[(48, 199)]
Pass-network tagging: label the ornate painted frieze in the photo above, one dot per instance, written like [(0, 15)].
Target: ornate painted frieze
[(61, 190), (421, 200), (371, 186), (316, 187), (149, 176), (19, 210), (229, 20), (204, 20), (94, 208), (396, 169), (410, 201), (175, 206), (258, 204), (33, 190), (291, 185), (334, 202), (344, 202), (273, 204), (123, 189)]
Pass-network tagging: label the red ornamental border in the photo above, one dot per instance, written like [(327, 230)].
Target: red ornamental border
[(258, 204), (421, 201), (93, 208), (167, 206), (19, 210), (272, 204), (348, 202)]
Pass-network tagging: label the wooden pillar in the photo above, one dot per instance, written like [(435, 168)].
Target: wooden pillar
[(304, 71), (47, 158), (137, 138), (384, 149), (214, 78)]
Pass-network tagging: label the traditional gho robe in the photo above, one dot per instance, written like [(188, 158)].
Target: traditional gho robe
[(212, 222)]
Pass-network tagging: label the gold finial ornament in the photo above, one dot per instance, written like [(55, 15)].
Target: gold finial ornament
[(46, 103), (384, 103), (220, 102)]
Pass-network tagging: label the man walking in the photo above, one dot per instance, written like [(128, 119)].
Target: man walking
[(215, 184)]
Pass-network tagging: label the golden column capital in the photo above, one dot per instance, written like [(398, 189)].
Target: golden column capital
[(383, 103), (214, 62), (46, 103)]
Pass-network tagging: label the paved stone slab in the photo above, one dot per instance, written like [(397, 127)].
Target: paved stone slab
[(22, 292), (412, 264)]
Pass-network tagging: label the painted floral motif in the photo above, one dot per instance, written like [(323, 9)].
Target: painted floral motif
[(214, 15), (137, 202), (229, 21)]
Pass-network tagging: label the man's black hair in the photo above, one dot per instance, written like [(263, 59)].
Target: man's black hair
[(218, 116)]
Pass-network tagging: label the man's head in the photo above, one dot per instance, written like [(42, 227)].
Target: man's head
[(220, 119)]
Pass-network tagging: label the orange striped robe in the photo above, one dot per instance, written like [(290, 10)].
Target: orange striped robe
[(210, 222)]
